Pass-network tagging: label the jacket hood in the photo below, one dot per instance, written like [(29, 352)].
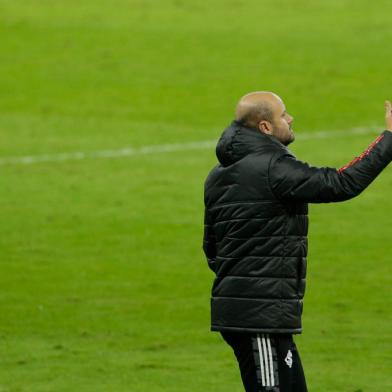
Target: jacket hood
[(238, 141)]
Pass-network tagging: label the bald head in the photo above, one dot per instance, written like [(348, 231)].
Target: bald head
[(266, 112), (255, 107)]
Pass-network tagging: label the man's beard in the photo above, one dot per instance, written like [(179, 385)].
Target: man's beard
[(287, 141)]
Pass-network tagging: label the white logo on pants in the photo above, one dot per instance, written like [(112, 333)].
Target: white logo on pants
[(289, 359)]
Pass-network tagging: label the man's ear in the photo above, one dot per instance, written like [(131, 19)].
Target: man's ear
[(265, 127)]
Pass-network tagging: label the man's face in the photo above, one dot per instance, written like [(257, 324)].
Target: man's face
[(281, 124)]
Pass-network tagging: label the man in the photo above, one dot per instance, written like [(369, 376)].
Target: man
[(255, 237)]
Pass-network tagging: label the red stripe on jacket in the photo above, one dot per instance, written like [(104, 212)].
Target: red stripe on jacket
[(357, 159)]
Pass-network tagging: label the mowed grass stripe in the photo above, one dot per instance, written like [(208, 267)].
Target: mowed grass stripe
[(162, 148)]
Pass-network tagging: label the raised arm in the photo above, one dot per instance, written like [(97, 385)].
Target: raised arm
[(296, 180)]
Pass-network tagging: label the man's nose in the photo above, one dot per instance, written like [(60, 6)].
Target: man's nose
[(290, 119)]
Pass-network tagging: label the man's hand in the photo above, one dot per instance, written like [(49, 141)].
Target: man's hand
[(388, 115)]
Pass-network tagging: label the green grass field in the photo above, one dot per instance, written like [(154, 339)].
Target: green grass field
[(103, 283)]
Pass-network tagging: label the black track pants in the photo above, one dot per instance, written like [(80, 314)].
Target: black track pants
[(267, 362)]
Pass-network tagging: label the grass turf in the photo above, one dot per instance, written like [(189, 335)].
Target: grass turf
[(104, 286)]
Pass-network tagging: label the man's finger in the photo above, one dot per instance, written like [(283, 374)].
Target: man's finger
[(388, 108)]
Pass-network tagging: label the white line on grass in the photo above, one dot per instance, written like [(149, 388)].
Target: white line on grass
[(160, 148)]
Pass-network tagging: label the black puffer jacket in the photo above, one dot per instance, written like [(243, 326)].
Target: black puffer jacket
[(256, 225)]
